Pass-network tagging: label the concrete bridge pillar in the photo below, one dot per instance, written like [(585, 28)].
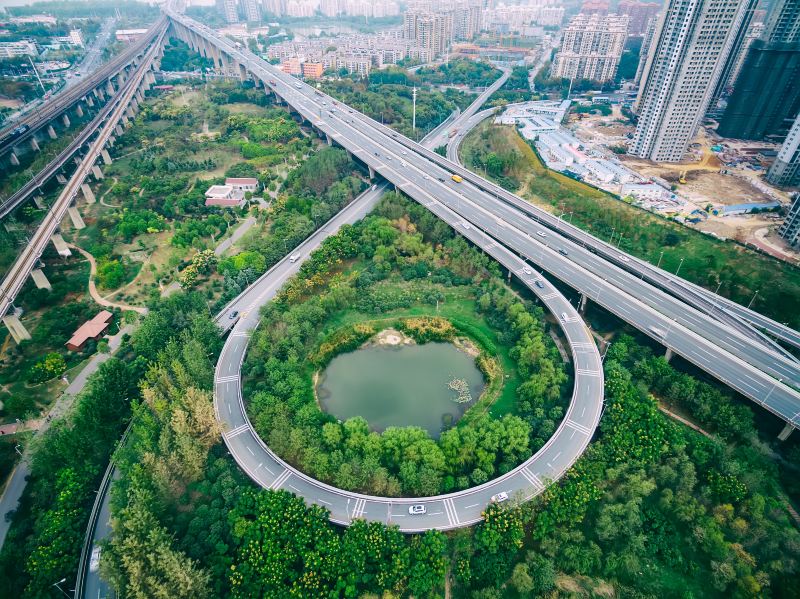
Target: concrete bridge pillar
[(582, 304), (119, 130), (130, 112), (37, 274), (15, 327), (787, 430), (61, 246), (328, 139), (76, 160), (61, 179), (51, 133), (101, 95), (111, 141), (668, 355), (139, 96), (89, 101), (88, 194), (34, 144), (106, 156), (65, 120), (78, 110), (98, 174), (75, 217), (371, 172), (13, 157), (39, 201), (109, 88)]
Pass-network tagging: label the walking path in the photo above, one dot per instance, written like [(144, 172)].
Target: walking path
[(93, 289), (16, 482), (20, 427), (105, 193)]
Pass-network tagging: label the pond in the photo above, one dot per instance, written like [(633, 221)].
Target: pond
[(400, 386)]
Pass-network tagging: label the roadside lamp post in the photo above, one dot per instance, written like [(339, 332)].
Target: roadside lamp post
[(754, 299), (16, 448), (658, 264), (57, 585), (679, 267)]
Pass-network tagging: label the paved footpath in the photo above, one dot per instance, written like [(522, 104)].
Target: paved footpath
[(16, 482)]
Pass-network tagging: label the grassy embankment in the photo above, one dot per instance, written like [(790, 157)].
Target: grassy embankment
[(710, 262)]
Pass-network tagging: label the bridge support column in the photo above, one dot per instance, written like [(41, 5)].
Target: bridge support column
[(109, 88), (111, 141), (328, 139), (119, 130), (51, 132), (106, 156), (39, 201), (582, 304), (77, 160), (100, 94), (61, 179), (89, 101), (87, 193), (78, 110), (371, 172), (668, 354), (35, 144), (787, 430), (18, 332), (61, 246), (75, 217), (65, 120), (98, 174), (13, 157), (37, 274)]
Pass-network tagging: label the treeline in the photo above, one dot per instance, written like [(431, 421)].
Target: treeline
[(460, 71), (386, 97), (400, 460), (44, 542), (179, 57)]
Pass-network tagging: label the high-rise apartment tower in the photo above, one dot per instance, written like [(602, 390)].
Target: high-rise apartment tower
[(786, 168), (691, 44), (591, 47)]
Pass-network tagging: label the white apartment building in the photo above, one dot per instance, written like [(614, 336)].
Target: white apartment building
[(432, 31), (252, 10), (591, 47), (786, 168), (229, 11), (691, 44)]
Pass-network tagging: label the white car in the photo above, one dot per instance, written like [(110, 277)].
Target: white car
[(541, 233), (527, 270), (500, 497), (624, 258), (465, 225), (416, 510), (94, 561)]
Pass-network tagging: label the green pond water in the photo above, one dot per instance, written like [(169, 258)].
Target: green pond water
[(399, 386)]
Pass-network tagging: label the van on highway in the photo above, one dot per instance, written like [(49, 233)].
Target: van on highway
[(294, 258), (456, 178)]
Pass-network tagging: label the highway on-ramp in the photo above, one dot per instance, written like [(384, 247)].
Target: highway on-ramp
[(441, 512)]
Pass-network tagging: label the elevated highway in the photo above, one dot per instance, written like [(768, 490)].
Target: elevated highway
[(116, 111), (98, 84), (753, 369)]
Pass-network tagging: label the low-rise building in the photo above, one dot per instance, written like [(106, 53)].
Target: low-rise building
[(312, 70), (91, 329), (241, 185), (292, 66), (222, 195)]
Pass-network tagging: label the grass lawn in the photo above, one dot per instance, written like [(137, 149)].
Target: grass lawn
[(459, 308), (707, 261)]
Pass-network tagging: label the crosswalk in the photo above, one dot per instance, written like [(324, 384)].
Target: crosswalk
[(276, 484), (236, 431), (450, 510), (535, 481), (227, 379), (358, 508), (587, 372), (578, 427)]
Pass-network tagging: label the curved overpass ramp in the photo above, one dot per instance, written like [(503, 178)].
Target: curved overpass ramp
[(443, 512)]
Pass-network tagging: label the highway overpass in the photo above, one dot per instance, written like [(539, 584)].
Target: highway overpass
[(754, 369)]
